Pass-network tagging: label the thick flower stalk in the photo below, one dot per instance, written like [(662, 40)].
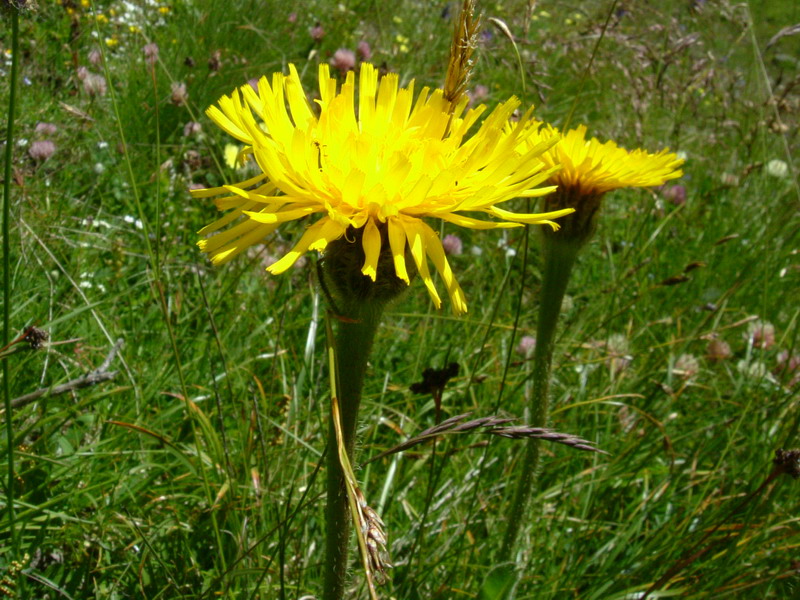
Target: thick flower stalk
[(362, 169), (379, 168), (588, 170)]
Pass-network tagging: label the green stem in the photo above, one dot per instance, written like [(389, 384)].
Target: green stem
[(12, 103), (354, 337), (558, 257)]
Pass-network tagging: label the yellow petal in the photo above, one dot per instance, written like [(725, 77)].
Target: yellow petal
[(371, 241), (225, 220), (249, 233), (434, 249), (320, 234), (415, 234), (397, 242), (471, 223), (530, 219), (282, 216), (208, 192), (232, 155)]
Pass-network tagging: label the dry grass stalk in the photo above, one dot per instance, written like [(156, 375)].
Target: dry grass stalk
[(368, 525), (493, 426), (374, 532), (459, 67)]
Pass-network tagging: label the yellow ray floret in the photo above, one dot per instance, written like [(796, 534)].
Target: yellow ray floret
[(593, 167), (372, 156)]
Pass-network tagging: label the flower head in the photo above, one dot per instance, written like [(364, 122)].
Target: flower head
[(761, 334), (452, 244), (179, 93), (675, 194), (150, 53), (590, 168), (344, 60), (594, 167), (93, 84), (718, 350), (686, 366), (317, 32), (41, 150), (43, 128), (192, 128), (526, 346), (364, 50), (371, 165), (777, 168)]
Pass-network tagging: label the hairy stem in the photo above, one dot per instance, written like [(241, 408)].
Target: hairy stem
[(559, 257), (12, 104), (354, 337)]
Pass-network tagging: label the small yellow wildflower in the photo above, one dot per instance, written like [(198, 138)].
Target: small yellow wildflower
[(101, 18), (112, 42), (375, 166), (164, 10), (403, 41)]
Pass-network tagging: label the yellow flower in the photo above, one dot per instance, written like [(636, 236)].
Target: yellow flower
[(379, 168), (595, 167), (589, 169)]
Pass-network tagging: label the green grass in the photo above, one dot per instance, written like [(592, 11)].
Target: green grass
[(218, 494)]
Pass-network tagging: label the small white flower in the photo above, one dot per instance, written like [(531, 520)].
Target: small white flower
[(99, 168), (131, 220), (777, 168)]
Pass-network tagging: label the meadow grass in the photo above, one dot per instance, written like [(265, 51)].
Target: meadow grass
[(196, 472)]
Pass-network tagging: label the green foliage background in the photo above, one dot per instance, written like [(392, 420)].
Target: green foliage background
[(194, 474)]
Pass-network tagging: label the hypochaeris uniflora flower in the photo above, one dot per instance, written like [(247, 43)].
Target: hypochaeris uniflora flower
[(590, 168), (596, 167), (369, 165)]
